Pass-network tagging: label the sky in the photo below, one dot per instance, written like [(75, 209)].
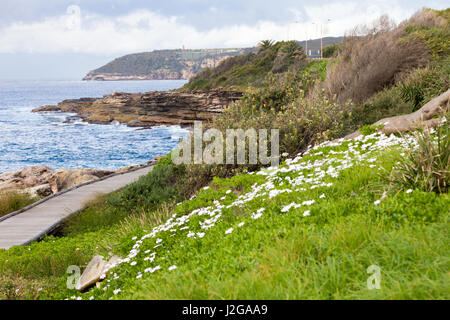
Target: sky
[(64, 39)]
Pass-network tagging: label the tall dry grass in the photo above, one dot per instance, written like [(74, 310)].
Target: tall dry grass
[(374, 57), (13, 200)]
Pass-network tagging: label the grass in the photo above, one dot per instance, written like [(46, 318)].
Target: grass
[(151, 191), (283, 254), (13, 201), (308, 229)]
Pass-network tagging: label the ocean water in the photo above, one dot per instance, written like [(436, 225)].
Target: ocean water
[(30, 139)]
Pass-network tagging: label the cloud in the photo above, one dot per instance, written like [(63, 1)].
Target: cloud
[(77, 31)]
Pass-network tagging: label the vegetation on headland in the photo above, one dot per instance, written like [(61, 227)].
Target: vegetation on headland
[(251, 69), (307, 229)]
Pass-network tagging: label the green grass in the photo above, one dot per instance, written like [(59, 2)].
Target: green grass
[(135, 200), (281, 255)]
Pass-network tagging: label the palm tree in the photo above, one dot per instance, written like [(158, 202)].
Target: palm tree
[(266, 44)]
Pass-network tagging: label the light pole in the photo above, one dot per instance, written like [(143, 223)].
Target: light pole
[(321, 37), (295, 24), (306, 28), (313, 28)]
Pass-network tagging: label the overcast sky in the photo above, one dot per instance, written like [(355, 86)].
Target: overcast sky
[(90, 32)]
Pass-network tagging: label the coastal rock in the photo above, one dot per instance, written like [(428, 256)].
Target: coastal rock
[(151, 108), (65, 179), (43, 181), (25, 178)]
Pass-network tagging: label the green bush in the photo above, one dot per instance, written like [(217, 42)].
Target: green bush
[(330, 51), (160, 185), (423, 84), (283, 104), (426, 165)]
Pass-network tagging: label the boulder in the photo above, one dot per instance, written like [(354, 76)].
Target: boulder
[(95, 271), (42, 190), (157, 158), (91, 274)]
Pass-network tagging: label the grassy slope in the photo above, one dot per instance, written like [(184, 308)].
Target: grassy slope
[(279, 255)]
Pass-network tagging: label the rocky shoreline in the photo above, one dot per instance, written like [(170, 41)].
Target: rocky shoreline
[(94, 76), (133, 109), (149, 109)]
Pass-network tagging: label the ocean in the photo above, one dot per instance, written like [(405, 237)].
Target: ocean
[(31, 139)]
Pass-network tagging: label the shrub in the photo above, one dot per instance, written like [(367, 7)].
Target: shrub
[(431, 27), (423, 84), (427, 163), (284, 104), (413, 90), (330, 51), (159, 185)]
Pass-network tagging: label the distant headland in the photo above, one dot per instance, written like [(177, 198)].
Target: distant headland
[(182, 64)]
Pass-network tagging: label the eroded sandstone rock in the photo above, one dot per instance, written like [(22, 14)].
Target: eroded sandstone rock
[(43, 181)]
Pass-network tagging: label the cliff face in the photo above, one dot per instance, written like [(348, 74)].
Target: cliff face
[(162, 64), (150, 108)]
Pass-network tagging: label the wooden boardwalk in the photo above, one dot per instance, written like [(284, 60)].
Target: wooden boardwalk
[(21, 228)]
